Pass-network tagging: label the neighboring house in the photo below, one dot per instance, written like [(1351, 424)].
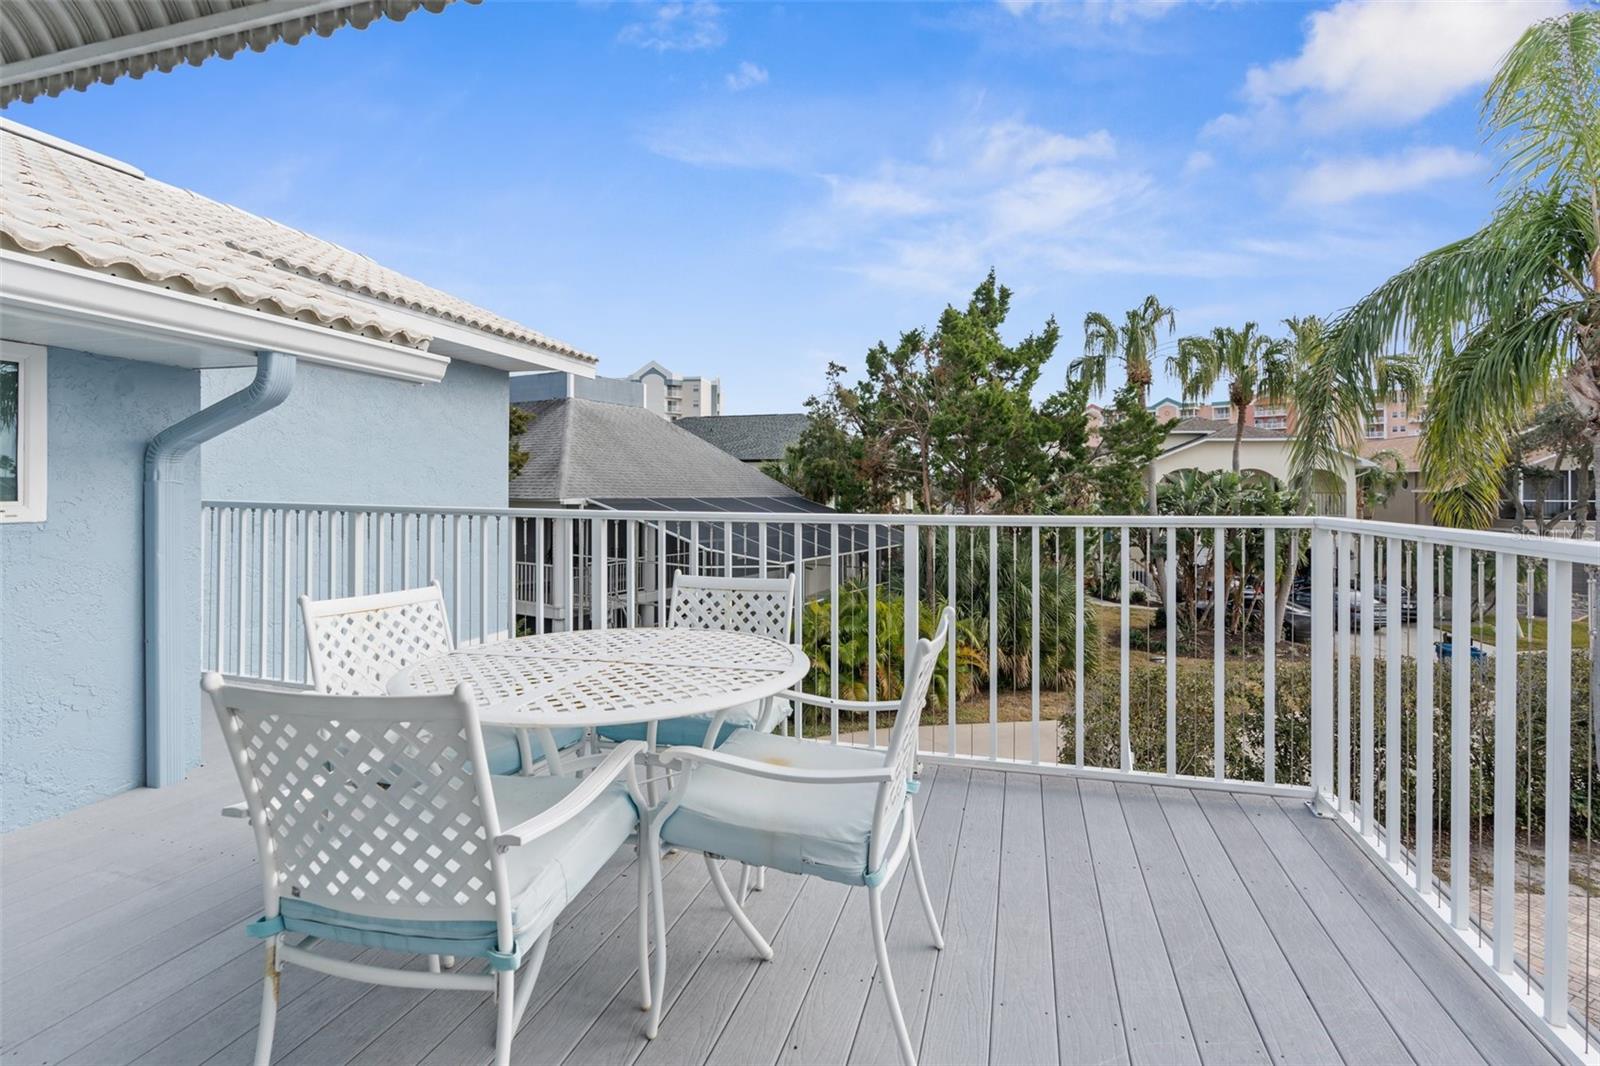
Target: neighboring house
[(139, 320), (582, 453), (1207, 444), (752, 439), (675, 396), (1406, 502)]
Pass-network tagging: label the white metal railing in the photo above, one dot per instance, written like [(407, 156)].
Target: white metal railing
[(1092, 645)]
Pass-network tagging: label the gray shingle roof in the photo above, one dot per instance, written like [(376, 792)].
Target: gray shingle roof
[(585, 450), (749, 438)]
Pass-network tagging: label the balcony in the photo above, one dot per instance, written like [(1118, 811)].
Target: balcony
[(1155, 833)]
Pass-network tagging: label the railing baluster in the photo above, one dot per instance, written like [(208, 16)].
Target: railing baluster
[(1392, 755), (1077, 646), (1321, 661), (1342, 609), (1558, 787), (833, 630), (633, 593), (950, 641), (1124, 742), (994, 643), (727, 547), (911, 578), (1219, 624), (1366, 651), (799, 613), (483, 577), (1461, 739), (872, 631), (1171, 596), (284, 548), (1269, 658), (1424, 659), (599, 593), (241, 542), (1033, 607), (1505, 761)]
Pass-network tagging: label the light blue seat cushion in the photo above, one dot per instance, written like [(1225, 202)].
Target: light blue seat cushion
[(505, 757), (801, 828), (674, 732), (543, 876)]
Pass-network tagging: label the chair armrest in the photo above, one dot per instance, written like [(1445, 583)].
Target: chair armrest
[(619, 762), (681, 755), (843, 705), (236, 810)]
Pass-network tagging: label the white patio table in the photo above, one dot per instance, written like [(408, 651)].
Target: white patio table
[(591, 678)]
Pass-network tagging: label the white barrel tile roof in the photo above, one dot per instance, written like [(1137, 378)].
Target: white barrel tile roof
[(60, 205)]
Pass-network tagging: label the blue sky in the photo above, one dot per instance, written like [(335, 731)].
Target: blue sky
[(751, 191)]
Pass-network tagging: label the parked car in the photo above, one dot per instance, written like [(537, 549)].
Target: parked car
[(1300, 596)]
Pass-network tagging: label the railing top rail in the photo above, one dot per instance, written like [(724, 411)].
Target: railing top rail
[(1562, 548), (808, 517), (1586, 552)]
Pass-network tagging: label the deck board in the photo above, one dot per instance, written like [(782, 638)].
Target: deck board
[(1085, 922), (1223, 1026)]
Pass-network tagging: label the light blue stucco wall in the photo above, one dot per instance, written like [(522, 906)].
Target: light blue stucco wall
[(71, 592), (350, 438), (71, 588)]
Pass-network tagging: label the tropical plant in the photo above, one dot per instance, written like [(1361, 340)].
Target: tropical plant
[(1255, 366), (1220, 492), (856, 658), (1133, 344), (1511, 314), (1376, 482)]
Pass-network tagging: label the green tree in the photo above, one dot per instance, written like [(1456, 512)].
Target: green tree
[(831, 462), (1511, 314), (983, 423), (516, 458), (1120, 463), (1254, 365)]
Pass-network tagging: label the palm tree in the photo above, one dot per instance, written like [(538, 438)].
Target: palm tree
[(1509, 316), (1255, 365), (1133, 344)]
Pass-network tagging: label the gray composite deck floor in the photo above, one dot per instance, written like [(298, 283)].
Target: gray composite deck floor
[(1085, 921)]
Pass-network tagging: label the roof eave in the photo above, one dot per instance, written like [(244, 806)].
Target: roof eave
[(57, 304)]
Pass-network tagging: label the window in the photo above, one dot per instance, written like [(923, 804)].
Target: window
[(22, 432), (1189, 410), (1221, 411)]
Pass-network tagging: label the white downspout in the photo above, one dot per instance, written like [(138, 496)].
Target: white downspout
[(168, 520)]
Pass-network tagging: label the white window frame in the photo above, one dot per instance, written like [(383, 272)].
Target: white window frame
[(32, 432)]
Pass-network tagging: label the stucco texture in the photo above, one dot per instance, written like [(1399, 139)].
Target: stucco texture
[(347, 438), (71, 592)]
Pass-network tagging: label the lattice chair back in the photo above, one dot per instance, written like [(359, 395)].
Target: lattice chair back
[(762, 606), (901, 754), (371, 805), (359, 642)]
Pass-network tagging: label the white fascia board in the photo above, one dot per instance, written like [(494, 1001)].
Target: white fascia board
[(52, 303), (471, 345)]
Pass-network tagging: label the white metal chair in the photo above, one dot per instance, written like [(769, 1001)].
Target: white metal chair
[(762, 606), (378, 823), (359, 642), (841, 813)]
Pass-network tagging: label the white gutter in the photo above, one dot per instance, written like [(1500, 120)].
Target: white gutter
[(168, 522)]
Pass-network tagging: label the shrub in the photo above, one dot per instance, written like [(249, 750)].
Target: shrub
[(1244, 733)]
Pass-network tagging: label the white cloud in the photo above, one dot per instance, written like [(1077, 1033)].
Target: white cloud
[(1338, 181), (1114, 12), (1198, 162), (678, 27), (746, 75), (1384, 63)]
